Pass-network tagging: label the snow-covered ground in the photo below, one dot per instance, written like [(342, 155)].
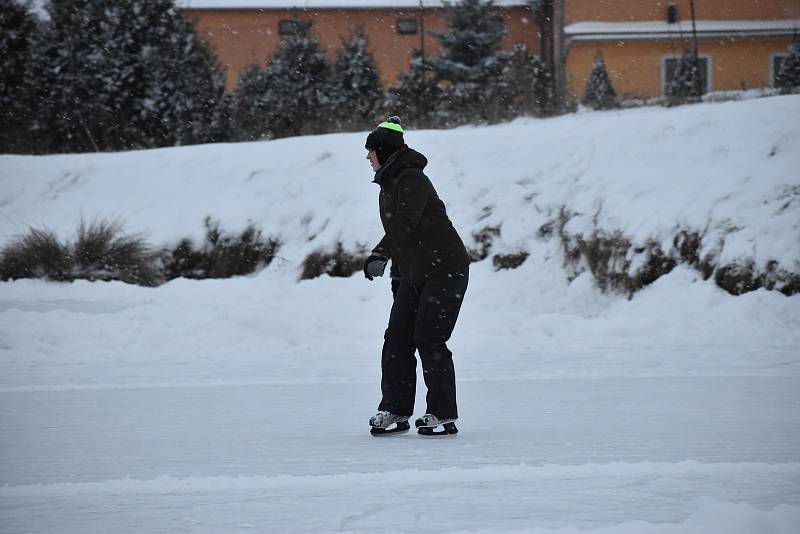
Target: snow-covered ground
[(241, 405), (728, 170)]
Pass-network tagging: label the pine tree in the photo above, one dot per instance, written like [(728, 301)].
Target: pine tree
[(686, 82), (476, 31), (118, 74), (416, 95), (789, 74), (599, 93), (72, 73), (249, 112), (357, 92), (17, 29), (470, 63), (183, 102), (526, 85), (298, 82)]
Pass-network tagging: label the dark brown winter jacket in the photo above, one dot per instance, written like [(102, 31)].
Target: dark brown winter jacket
[(420, 239)]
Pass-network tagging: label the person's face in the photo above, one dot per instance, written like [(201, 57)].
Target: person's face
[(372, 156)]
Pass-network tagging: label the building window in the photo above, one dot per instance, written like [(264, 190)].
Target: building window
[(291, 26), (670, 63), (406, 26), (775, 62), (672, 14)]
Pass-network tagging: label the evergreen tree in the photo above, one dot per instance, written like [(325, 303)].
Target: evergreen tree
[(220, 127), (183, 102), (69, 69), (416, 95), (599, 93), (298, 86), (526, 85), (470, 63), (249, 112), (476, 31), (117, 74), (17, 29), (686, 82), (357, 90), (789, 74)]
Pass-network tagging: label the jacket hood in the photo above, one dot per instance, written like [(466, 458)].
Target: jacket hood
[(404, 158)]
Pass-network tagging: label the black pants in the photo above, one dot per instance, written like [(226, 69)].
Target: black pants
[(422, 318)]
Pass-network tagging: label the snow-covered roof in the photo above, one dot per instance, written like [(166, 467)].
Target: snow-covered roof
[(590, 30), (324, 4)]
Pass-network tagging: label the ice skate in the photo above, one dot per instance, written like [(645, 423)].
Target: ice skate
[(387, 423), (430, 425)]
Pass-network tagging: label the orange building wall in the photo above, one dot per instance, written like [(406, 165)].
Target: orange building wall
[(639, 10), (248, 37), (634, 67)]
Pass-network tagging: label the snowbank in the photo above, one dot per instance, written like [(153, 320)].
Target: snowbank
[(726, 173), (265, 329)]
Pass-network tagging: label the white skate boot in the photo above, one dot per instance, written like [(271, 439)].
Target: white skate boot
[(384, 423)]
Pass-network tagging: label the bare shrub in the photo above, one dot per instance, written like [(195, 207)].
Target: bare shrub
[(737, 278), (619, 265), (741, 277), (103, 252), (790, 284), (37, 254), (483, 239), (606, 258), (337, 263), (222, 255), (509, 261), (615, 263), (569, 246), (656, 264), (687, 245)]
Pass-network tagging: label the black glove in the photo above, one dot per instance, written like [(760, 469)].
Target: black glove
[(375, 265)]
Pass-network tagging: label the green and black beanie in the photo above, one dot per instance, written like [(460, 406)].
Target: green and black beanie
[(386, 139)]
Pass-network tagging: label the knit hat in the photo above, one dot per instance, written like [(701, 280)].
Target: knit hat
[(386, 139)]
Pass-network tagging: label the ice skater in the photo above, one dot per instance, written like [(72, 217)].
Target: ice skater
[(433, 266)]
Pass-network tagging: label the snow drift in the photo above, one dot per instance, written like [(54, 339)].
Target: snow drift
[(625, 195)]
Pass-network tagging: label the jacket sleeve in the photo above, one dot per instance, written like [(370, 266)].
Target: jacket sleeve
[(412, 197)]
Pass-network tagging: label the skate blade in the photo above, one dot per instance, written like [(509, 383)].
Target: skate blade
[(399, 428), (419, 424), (447, 430)]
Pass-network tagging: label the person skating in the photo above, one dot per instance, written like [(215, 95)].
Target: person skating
[(433, 267)]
